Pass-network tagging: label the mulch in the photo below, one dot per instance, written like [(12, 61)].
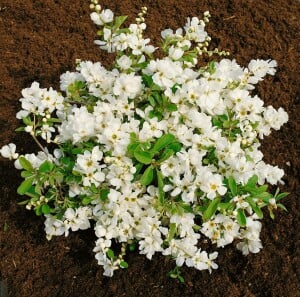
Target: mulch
[(39, 40)]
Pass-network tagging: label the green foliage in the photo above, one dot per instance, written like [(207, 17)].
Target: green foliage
[(25, 185), (110, 254), (176, 274), (144, 157), (147, 176), (228, 125), (241, 218), (149, 155), (25, 164), (118, 21), (123, 264), (161, 103), (211, 209), (232, 186)]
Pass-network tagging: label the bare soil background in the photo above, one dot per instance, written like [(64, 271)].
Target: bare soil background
[(39, 40)]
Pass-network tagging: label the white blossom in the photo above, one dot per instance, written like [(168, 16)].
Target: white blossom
[(9, 151)]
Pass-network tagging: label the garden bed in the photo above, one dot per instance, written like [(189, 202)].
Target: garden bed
[(39, 41)]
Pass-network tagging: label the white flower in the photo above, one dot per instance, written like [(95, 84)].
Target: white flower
[(79, 125), (30, 100), (54, 227), (185, 223), (259, 68), (272, 174), (194, 29), (221, 230), (88, 162), (124, 62), (250, 237), (46, 132), (275, 119), (9, 151), (88, 165), (127, 86), (166, 72), (198, 261), (77, 219), (175, 53), (212, 184), (69, 78), (152, 128), (210, 263), (107, 42), (106, 16)]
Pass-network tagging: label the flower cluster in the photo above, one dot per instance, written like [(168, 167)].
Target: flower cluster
[(159, 154)]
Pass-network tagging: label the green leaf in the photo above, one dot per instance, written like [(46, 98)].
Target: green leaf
[(158, 98), (252, 181), (132, 247), (211, 209), (38, 188), (25, 185), (142, 65), (225, 206), (176, 87), (138, 168), (226, 124), (281, 195), (216, 123), (147, 80), (20, 129), (25, 164), (255, 208), (144, 157), (155, 114), (172, 231), (27, 121), (212, 67), (175, 146), (167, 153), (124, 30), (110, 254), (104, 194), (53, 120), (176, 274), (131, 147), (23, 202), (271, 214), (241, 218), (162, 142), (26, 174), (152, 101), (282, 206), (171, 107), (262, 189), (38, 210), (46, 166), (123, 264), (147, 176), (119, 20), (86, 200), (232, 185), (46, 209), (160, 182)]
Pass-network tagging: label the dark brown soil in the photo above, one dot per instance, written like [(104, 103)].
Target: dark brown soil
[(39, 40)]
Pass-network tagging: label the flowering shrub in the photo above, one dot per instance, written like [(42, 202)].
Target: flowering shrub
[(157, 154)]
